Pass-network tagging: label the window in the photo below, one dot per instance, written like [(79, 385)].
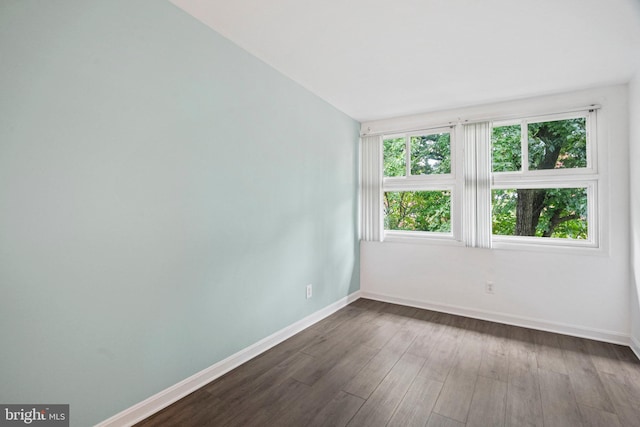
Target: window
[(418, 182), (543, 178), (530, 180), (418, 210), (416, 155), (541, 212)]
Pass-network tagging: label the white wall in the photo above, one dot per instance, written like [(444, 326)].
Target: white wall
[(634, 158), (581, 292)]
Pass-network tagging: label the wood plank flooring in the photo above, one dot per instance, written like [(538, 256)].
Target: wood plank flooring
[(378, 364)]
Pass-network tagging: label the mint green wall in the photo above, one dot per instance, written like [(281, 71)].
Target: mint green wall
[(164, 199)]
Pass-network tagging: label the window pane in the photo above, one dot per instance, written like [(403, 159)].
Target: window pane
[(418, 211), (506, 149), (395, 159), (431, 154), (558, 144), (541, 212)]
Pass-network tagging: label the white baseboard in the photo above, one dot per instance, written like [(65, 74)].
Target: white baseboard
[(161, 400), (635, 346), (577, 331)]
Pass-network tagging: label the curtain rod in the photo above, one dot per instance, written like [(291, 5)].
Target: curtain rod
[(461, 121)]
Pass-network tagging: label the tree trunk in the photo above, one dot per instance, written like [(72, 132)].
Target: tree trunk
[(528, 208), (531, 201)]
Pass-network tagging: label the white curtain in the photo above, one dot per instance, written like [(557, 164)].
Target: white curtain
[(477, 185), (371, 172)]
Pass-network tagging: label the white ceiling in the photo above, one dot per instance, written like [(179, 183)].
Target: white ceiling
[(383, 58)]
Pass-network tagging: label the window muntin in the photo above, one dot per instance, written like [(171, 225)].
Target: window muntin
[(428, 211)]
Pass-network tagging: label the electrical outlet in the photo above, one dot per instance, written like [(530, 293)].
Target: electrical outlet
[(309, 291), (488, 287)]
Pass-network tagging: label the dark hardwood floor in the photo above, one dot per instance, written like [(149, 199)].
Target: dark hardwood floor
[(377, 364)]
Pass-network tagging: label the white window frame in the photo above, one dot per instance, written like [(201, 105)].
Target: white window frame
[(433, 182), (586, 177), (461, 220)]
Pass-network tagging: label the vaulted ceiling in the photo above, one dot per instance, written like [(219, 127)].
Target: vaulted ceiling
[(383, 58)]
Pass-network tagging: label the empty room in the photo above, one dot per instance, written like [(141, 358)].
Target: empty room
[(327, 213)]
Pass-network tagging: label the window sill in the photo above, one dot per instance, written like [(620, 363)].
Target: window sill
[(563, 246), (421, 238), (547, 245)]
